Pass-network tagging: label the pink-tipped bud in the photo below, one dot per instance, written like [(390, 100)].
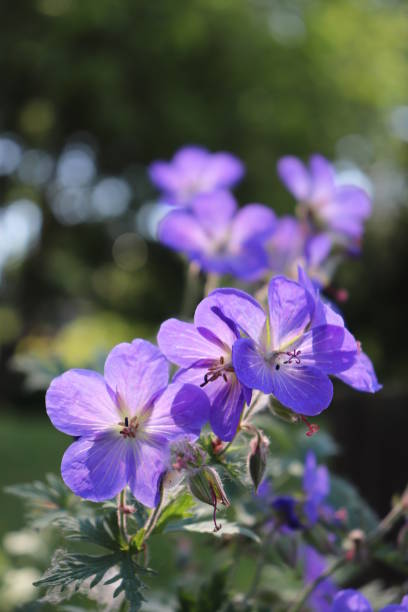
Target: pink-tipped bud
[(205, 484)]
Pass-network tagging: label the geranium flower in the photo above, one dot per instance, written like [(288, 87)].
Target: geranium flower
[(350, 600), (203, 349), (290, 244), (282, 354), (125, 422), (338, 209), (314, 565), (218, 236), (361, 374), (316, 485), (194, 171)]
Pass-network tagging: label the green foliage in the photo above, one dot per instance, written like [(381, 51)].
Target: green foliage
[(207, 527), (46, 502), (178, 508), (211, 597), (68, 571)]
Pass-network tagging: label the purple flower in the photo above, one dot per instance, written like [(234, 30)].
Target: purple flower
[(203, 350), (284, 506), (291, 244), (286, 245), (125, 422), (314, 565), (338, 209), (280, 353), (351, 600), (361, 374), (218, 236), (316, 485), (194, 171)]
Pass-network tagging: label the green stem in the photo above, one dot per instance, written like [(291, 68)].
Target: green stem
[(211, 283), (191, 287), (154, 516), (122, 516), (254, 404), (371, 541)]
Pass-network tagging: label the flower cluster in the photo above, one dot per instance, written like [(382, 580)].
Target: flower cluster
[(278, 345), (252, 243)]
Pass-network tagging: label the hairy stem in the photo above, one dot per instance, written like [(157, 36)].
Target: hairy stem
[(191, 290), (211, 283), (371, 541), (122, 516), (154, 516)]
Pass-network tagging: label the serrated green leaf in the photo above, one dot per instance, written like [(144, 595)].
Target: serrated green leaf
[(208, 527), (67, 568), (68, 571), (101, 530), (45, 501), (177, 509)]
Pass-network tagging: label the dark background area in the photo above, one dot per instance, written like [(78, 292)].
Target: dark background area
[(128, 82)]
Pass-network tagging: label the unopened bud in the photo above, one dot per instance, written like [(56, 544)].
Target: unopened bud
[(355, 544), (205, 484), (257, 458)]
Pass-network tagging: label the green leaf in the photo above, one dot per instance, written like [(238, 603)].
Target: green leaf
[(211, 597), (45, 501), (101, 530), (68, 571), (208, 527), (177, 509), (137, 539)]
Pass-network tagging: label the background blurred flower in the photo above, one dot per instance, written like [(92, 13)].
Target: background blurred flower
[(195, 171)]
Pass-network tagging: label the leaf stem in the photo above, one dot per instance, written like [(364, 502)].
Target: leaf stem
[(211, 283), (191, 288), (154, 516), (371, 541), (122, 516)]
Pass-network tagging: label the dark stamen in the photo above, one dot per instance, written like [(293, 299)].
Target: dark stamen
[(126, 422), (277, 367)]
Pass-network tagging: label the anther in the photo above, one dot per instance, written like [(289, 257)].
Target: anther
[(294, 355), (126, 422)]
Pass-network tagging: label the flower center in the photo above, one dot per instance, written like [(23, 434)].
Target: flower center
[(129, 427), (219, 368), (283, 358)]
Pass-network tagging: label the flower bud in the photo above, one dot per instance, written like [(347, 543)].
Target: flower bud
[(355, 545), (257, 457), (205, 484)]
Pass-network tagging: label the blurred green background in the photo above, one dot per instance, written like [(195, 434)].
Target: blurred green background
[(91, 92)]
